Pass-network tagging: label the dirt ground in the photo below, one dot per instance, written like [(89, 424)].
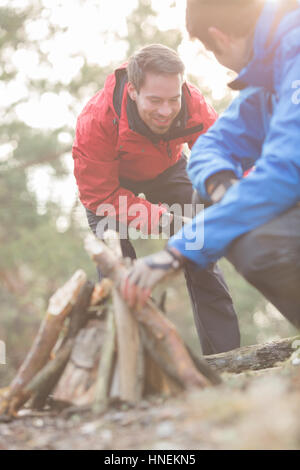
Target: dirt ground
[(254, 410)]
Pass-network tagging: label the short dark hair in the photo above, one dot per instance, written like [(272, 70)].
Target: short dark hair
[(155, 58), (236, 17)]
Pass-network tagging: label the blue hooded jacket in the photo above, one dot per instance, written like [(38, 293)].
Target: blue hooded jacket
[(261, 127)]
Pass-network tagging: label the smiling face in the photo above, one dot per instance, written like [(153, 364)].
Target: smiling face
[(158, 101)]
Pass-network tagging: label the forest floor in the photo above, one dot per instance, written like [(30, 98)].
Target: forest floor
[(252, 410)]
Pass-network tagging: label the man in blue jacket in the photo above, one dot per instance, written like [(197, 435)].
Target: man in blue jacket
[(254, 221)]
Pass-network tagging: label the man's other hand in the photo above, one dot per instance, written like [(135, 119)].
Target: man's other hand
[(146, 272), (218, 184)]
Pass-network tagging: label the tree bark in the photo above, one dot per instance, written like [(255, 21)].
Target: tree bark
[(258, 356)]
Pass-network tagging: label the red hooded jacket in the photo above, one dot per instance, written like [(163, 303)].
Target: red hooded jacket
[(106, 149)]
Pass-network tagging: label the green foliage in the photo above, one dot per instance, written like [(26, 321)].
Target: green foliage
[(142, 29)]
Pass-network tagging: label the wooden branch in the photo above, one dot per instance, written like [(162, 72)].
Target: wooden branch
[(105, 365), (76, 383), (10, 405), (48, 375), (78, 319), (130, 349), (60, 305), (141, 366), (157, 381), (156, 325), (101, 291), (79, 315), (258, 356), (114, 392)]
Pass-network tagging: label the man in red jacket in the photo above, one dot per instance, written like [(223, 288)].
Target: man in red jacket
[(129, 140)]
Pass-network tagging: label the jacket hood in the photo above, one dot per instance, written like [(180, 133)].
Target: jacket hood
[(110, 84), (275, 21)]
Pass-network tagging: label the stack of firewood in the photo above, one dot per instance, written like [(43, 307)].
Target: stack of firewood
[(92, 348)]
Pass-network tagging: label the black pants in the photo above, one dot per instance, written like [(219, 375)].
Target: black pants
[(214, 314), (269, 258)]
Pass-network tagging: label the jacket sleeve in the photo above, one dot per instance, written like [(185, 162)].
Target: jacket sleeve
[(96, 170), (272, 188), (233, 143)]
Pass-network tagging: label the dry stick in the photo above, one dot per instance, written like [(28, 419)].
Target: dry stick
[(155, 324), (114, 392), (105, 366), (60, 305), (46, 379), (101, 291), (140, 369), (77, 383), (78, 319), (156, 380), (130, 350), (52, 368), (168, 348), (79, 315)]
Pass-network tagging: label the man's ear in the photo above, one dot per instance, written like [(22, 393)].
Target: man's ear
[(220, 39), (131, 91)]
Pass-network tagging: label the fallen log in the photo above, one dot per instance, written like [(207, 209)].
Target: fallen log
[(255, 357)]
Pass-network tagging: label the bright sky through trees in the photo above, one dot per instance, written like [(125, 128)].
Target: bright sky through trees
[(84, 23), (88, 32)]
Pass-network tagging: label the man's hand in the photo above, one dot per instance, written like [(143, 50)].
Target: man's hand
[(218, 184), (146, 272)]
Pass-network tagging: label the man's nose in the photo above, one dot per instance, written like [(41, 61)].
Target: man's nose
[(165, 110)]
